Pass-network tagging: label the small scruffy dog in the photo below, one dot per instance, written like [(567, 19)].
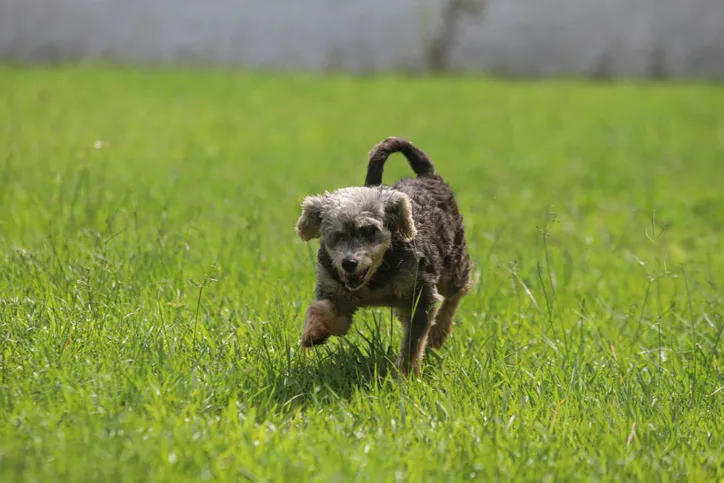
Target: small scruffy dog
[(401, 246)]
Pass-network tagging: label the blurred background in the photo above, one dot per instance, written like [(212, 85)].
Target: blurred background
[(591, 38)]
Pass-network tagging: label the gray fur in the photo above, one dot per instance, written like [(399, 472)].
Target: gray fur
[(403, 246)]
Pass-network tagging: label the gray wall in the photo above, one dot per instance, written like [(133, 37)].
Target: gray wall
[(519, 37)]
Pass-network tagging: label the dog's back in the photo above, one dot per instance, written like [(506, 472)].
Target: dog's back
[(441, 232)]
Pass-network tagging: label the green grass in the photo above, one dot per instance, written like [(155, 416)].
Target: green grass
[(152, 290)]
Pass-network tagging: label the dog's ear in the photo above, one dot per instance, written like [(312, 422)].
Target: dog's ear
[(398, 211), (309, 224)]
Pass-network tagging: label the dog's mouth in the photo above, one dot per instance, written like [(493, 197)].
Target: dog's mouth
[(354, 281)]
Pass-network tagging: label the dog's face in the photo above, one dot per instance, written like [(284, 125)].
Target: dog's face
[(356, 225)]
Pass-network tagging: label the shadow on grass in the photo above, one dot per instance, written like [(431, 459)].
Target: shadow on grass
[(336, 370)]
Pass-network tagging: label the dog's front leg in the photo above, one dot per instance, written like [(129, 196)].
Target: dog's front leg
[(322, 320), (417, 318)]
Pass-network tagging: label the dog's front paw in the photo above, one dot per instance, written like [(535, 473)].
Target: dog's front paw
[(321, 322), (315, 332), (313, 339), (406, 367)]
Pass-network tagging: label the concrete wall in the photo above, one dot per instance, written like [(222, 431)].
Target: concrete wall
[(518, 37)]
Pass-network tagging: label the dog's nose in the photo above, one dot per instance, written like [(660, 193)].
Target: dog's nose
[(349, 264)]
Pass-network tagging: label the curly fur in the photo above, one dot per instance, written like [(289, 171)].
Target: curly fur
[(401, 246)]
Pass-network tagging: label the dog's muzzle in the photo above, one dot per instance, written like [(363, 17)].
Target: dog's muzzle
[(353, 281)]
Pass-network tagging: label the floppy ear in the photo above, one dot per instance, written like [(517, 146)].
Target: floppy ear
[(398, 211), (310, 222)]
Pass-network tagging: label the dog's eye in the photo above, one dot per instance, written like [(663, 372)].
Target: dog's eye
[(368, 231)]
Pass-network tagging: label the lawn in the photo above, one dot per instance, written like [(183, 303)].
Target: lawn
[(152, 287)]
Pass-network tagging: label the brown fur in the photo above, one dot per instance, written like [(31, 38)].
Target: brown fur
[(321, 321), (408, 245)]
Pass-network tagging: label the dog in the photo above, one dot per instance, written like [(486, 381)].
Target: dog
[(400, 246)]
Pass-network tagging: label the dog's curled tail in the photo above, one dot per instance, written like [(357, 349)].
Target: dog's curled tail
[(419, 162)]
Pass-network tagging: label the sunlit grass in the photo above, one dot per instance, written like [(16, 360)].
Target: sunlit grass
[(152, 287)]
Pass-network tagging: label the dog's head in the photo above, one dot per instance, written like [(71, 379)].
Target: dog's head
[(356, 226)]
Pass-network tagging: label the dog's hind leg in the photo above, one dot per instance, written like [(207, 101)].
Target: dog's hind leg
[(454, 286), (443, 324)]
